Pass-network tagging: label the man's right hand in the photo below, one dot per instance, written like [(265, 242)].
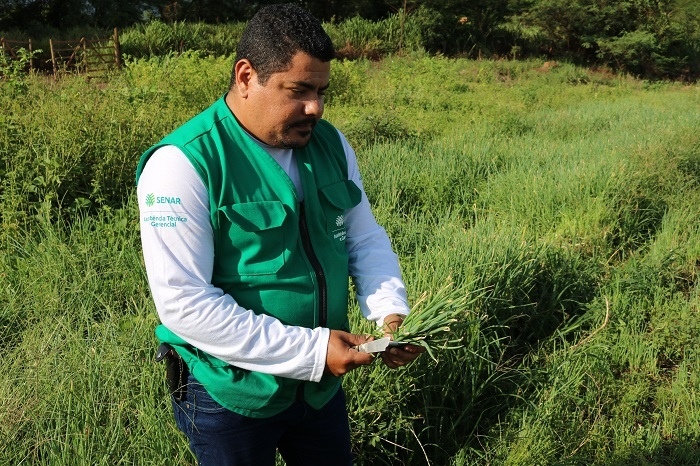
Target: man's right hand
[(341, 357)]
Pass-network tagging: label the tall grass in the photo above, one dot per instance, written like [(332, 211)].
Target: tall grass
[(78, 385), (354, 37), (564, 202), (157, 38)]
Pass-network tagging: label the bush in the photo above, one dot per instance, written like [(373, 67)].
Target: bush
[(71, 146), (644, 53), (157, 38), (13, 72), (644, 38), (357, 37)]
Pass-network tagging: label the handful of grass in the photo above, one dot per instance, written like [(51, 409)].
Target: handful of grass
[(436, 319)]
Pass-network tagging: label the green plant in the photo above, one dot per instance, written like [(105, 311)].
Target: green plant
[(13, 71), (438, 320)]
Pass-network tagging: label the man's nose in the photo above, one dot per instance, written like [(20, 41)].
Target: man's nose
[(314, 107)]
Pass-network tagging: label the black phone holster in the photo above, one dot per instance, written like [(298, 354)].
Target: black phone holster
[(176, 371)]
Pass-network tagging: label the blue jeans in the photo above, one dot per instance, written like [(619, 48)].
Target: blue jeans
[(303, 435)]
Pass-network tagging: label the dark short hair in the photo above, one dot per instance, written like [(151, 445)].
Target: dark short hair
[(275, 34)]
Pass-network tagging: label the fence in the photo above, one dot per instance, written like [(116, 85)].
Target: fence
[(91, 57), (11, 49)]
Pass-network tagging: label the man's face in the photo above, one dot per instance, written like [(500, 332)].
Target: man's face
[(284, 111)]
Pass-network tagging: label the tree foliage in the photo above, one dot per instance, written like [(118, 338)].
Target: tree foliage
[(650, 38)]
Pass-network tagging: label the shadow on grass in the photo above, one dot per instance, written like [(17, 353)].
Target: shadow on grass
[(682, 453)]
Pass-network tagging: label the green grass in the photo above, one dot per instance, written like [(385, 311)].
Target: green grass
[(563, 202)]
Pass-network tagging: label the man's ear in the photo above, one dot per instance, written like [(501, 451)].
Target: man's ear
[(244, 74)]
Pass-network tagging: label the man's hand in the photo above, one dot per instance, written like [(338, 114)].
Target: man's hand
[(400, 355), (341, 357)]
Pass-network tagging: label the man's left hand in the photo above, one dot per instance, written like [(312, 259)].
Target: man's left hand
[(399, 355)]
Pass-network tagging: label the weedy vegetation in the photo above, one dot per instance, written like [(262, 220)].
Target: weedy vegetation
[(547, 216)]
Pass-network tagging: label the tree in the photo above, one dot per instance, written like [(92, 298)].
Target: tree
[(33, 17), (650, 38)]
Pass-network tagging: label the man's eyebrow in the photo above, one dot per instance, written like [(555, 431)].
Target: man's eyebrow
[(309, 86)]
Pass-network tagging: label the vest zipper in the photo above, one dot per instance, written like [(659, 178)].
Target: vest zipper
[(316, 266)]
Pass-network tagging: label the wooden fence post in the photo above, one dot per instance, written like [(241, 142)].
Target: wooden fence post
[(117, 50), (53, 59), (83, 58), (31, 57)]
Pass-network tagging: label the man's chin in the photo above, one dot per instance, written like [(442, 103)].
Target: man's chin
[(297, 142), (295, 146)]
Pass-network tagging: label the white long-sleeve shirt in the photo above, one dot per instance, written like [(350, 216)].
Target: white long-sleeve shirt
[(178, 249)]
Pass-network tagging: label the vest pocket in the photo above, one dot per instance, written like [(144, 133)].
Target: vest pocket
[(251, 238), (336, 198)]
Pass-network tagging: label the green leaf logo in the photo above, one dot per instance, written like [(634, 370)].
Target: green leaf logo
[(150, 199)]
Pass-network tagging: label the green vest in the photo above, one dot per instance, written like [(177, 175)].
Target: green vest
[(272, 254)]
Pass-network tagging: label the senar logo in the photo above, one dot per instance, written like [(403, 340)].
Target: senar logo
[(340, 232), (167, 200), (152, 199)]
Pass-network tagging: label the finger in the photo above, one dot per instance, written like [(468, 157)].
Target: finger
[(401, 357), (400, 353), (413, 349), (363, 359), (408, 352), (353, 340), (416, 349), (391, 363)]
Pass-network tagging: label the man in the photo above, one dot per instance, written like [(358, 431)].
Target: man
[(252, 218)]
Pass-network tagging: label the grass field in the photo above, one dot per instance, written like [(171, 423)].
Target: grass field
[(563, 201)]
